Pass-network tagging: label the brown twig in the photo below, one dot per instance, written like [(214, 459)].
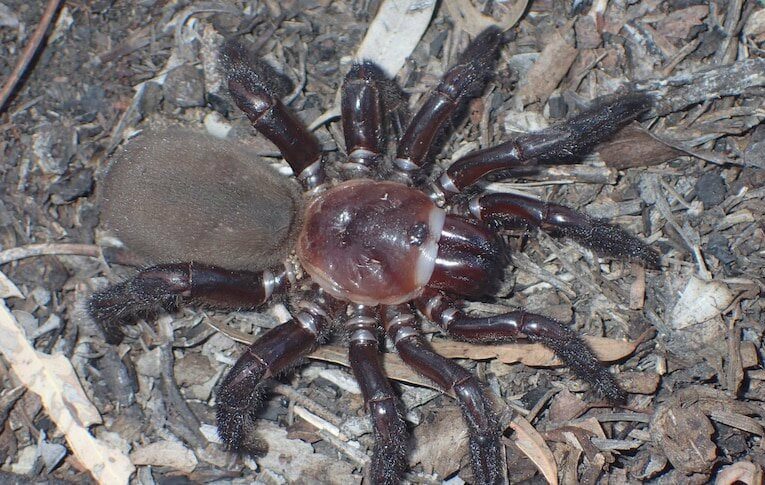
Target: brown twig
[(32, 250), (29, 52), (69, 249)]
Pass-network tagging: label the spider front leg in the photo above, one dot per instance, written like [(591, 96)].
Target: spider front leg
[(278, 349), (389, 455), (566, 344), (484, 444), (251, 85), (510, 211), (164, 286), (564, 142), (363, 117), (462, 81)]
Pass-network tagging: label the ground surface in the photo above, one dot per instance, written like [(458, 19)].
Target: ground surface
[(693, 329)]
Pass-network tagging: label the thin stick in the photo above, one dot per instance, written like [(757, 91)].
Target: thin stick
[(120, 257), (29, 52), (46, 249)]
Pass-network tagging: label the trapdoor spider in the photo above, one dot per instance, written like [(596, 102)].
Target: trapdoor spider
[(380, 248)]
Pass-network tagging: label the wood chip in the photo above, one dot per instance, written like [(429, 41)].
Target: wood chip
[(169, 454), (551, 67)]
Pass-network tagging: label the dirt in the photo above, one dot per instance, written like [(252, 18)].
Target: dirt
[(689, 180)]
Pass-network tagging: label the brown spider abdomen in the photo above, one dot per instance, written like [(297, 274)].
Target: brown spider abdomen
[(182, 196), (371, 242)]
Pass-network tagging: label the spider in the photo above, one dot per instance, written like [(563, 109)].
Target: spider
[(369, 249)]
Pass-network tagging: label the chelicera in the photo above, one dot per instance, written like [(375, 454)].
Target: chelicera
[(369, 250)]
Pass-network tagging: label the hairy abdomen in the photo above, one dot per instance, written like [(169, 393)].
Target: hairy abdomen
[(184, 196)]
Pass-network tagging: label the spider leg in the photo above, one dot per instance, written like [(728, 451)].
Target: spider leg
[(389, 455), (462, 81), (564, 142), (363, 116), (278, 349), (566, 344), (513, 211), (471, 258), (165, 285), (250, 84), (484, 444)]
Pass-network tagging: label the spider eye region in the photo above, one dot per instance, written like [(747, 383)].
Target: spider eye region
[(418, 233), (371, 242)]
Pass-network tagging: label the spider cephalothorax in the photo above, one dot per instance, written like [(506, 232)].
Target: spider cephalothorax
[(221, 227)]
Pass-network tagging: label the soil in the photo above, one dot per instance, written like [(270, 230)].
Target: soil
[(686, 338)]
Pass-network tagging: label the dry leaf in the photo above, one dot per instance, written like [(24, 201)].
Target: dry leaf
[(639, 382), (566, 406), (531, 443), (53, 379), (700, 301), (7, 288), (744, 472), (534, 355), (439, 445), (634, 146), (165, 453), (395, 32)]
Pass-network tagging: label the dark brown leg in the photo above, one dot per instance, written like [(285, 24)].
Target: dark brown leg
[(485, 447), (514, 211), (363, 117), (461, 82), (250, 84), (565, 142), (389, 456), (165, 285), (566, 344), (278, 349), (471, 258)]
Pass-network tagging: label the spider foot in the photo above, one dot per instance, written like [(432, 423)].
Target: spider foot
[(389, 457), (138, 297), (238, 397), (484, 444), (509, 211), (609, 240), (576, 354), (570, 140), (485, 459), (246, 68)]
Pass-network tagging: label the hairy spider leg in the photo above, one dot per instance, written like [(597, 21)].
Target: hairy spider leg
[(484, 442), (462, 81), (249, 82), (164, 286), (389, 430), (561, 143), (566, 344), (512, 211), (278, 349)]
